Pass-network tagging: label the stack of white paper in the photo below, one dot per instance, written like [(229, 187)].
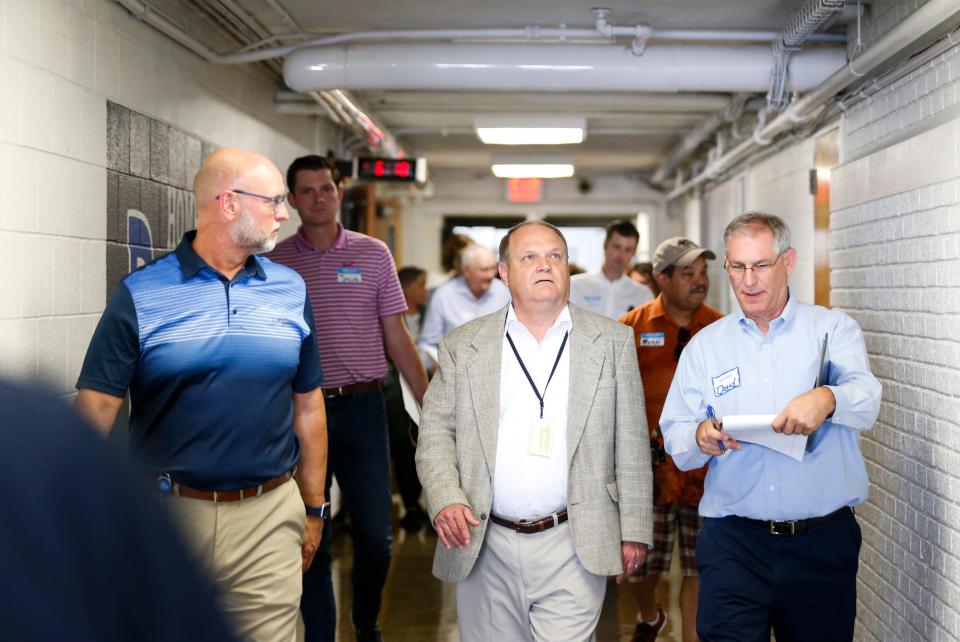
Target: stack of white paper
[(758, 429)]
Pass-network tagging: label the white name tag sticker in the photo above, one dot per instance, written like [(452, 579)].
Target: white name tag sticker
[(651, 339), (540, 439), (724, 383), (349, 275)]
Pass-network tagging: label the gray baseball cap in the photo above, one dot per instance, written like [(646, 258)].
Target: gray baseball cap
[(679, 251)]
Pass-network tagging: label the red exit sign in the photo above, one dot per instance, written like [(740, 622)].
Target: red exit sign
[(524, 190)]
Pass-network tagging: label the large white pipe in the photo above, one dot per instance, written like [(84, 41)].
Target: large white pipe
[(550, 67)]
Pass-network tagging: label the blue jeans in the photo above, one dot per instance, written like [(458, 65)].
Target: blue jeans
[(359, 456), (802, 586)]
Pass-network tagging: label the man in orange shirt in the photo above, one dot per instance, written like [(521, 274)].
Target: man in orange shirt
[(662, 328)]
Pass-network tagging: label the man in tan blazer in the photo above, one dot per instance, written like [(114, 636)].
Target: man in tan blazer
[(535, 422)]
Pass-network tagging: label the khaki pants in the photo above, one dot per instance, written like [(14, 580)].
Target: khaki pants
[(529, 587), (251, 551)]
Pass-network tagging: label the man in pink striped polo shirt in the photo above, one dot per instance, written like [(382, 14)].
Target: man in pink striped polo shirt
[(358, 306)]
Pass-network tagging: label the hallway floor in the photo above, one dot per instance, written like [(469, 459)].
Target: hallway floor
[(419, 608)]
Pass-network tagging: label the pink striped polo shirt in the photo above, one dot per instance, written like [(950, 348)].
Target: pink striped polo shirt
[(351, 286)]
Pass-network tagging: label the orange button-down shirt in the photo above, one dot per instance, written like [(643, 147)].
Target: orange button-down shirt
[(657, 337)]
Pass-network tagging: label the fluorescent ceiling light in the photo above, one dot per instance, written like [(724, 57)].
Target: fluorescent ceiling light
[(529, 130), (532, 167)]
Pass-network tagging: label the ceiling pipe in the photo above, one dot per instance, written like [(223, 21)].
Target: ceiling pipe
[(550, 67), (933, 16), (343, 108), (531, 32), (692, 141)]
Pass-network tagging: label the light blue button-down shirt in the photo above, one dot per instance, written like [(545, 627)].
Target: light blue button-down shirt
[(738, 370), (453, 304)]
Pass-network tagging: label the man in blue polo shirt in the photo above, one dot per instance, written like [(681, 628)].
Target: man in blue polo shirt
[(218, 350)]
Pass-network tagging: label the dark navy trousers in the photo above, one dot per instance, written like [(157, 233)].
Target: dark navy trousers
[(803, 586), (359, 456)]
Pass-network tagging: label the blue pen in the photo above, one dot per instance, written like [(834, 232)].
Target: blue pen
[(713, 419)]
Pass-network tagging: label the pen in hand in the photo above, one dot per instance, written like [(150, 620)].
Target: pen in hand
[(713, 419)]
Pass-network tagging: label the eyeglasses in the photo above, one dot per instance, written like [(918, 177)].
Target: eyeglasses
[(276, 200), (759, 269), (683, 337)]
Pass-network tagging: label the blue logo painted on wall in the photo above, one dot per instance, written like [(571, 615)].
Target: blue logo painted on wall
[(139, 239)]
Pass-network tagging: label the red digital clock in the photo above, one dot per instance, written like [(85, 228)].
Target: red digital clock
[(387, 169)]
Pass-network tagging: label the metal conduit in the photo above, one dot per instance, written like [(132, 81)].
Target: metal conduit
[(342, 108), (931, 16), (804, 23)]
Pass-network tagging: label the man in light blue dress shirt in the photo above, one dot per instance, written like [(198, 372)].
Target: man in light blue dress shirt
[(780, 544), (463, 298)]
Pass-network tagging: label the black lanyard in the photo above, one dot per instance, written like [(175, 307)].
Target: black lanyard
[(563, 345)]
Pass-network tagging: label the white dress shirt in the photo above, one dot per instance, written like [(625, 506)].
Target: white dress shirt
[(612, 299), (527, 485)]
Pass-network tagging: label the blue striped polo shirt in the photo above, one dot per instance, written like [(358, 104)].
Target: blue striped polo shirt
[(211, 365)]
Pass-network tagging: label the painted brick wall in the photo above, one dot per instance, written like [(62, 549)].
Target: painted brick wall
[(880, 16), (930, 92), (61, 62), (896, 269), (150, 203)]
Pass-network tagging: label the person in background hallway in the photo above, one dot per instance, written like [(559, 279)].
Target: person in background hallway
[(88, 553), (474, 293), (449, 260), (533, 455), (611, 292), (642, 273), (413, 282), (662, 329), (403, 432), (779, 544), (356, 296), (218, 350)]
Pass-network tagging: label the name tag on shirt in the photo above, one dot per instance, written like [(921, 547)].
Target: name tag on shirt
[(349, 275), (724, 383), (651, 339), (540, 439)]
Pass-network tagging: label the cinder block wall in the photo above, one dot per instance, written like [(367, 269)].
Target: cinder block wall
[(896, 268), (60, 63)]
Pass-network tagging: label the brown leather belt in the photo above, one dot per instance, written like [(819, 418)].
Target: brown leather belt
[(232, 495), (796, 526), (351, 389), (529, 527)]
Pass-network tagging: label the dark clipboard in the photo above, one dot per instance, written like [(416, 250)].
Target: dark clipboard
[(823, 369), (823, 378)]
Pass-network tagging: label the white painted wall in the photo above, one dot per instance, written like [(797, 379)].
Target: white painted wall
[(896, 269), (778, 184), (60, 61)]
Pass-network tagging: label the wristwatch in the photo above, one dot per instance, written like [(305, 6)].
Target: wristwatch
[(322, 511)]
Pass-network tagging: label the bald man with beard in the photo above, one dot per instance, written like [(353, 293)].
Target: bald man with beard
[(217, 348)]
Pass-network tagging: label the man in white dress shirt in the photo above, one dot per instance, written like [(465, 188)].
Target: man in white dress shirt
[(464, 298), (533, 455), (611, 292)]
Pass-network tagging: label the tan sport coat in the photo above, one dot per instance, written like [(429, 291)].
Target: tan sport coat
[(609, 491)]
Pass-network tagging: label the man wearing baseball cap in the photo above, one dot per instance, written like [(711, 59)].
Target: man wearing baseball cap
[(662, 328)]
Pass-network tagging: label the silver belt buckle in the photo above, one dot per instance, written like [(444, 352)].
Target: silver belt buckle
[(776, 528)]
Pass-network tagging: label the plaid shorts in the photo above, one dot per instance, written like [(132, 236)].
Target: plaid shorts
[(666, 520)]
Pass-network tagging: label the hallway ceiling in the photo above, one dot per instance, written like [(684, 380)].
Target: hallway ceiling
[(627, 132)]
